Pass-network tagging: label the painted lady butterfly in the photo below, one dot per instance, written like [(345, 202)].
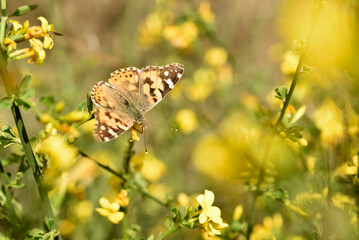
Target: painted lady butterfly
[(128, 94)]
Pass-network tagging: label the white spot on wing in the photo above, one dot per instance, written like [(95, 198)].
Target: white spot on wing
[(179, 75), (110, 131), (170, 83), (106, 139), (166, 73), (102, 127)]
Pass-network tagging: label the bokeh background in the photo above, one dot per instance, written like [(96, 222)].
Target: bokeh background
[(235, 54)]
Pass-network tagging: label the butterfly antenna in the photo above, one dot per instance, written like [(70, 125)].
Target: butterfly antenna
[(145, 136), (159, 125)]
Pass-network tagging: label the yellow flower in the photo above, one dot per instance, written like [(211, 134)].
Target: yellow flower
[(238, 211), (151, 167), (183, 199), (216, 56), (202, 86), (83, 210), (187, 120), (210, 216), (122, 198), (353, 169), (136, 128), (208, 211), (205, 12), (36, 52), (110, 210), (269, 228), (181, 36)]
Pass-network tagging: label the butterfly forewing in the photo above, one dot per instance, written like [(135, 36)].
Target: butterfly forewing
[(127, 81), (156, 82)]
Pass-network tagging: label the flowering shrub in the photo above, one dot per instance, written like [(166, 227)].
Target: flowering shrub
[(265, 126)]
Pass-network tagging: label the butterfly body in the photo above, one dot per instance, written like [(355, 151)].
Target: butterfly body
[(128, 94)]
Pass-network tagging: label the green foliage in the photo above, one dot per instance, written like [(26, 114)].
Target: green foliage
[(23, 10)]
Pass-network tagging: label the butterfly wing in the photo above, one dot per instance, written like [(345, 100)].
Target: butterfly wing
[(155, 82), (110, 124), (111, 115), (126, 80)]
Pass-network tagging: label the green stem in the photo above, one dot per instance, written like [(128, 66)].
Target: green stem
[(105, 167), (264, 161), (128, 155), (3, 23), (117, 174), (32, 162), (124, 228), (300, 65), (32, 106), (146, 194), (262, 169), (171, 230)]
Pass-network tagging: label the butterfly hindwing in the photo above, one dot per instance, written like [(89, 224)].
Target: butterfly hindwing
[(110, 124), (156, 82)]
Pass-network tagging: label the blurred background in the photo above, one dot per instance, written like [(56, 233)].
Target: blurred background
[(235, 54)]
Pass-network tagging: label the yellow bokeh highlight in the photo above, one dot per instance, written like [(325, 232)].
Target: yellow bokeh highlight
[(202, 86), (216, 56), (329, 119), (290, 62), (151, 167), (187, 120), (181, 36)]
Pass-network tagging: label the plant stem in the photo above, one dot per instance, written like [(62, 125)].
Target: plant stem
[(128, 155), (300, 65), (118, 174), (32, 162), (262, 169), (3, 23), (171, 230), (105, 167), (264, 161)]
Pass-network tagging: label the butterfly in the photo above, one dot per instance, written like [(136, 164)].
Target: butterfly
[(128, 94)]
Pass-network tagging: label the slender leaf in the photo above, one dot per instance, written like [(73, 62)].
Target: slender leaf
[(25, 82), (23, 10)]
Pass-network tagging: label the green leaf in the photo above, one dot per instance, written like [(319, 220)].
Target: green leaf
[(89, 103), (159, 237), (151, 237), (182, 212), (29, 93), (281, 92), (167, 222), (47, 101), (82, 106), (23, 10), (6, 102), (25, 82)]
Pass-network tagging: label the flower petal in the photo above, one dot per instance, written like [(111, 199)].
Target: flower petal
[(214, 213), (114, 207), (116, 217), (103, 212), (208, 197), (202, 217), (104, 202), (200, 199)]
